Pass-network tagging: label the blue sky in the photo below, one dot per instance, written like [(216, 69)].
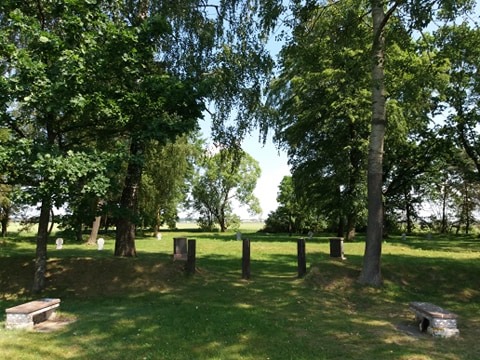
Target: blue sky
[(273, 163)]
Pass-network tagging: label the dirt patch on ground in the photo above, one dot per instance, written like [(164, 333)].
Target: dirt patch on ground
[(53, 325), (411, 329)]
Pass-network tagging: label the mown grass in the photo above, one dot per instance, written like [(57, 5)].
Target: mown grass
[(147, 308)]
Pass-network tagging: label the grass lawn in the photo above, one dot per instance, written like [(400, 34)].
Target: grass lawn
[(146, 308)]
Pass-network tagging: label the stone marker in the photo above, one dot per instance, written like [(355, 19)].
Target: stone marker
[(59, 243), (100, 243), (180, 248)]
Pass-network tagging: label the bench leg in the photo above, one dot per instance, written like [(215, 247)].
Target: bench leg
[(437, 327), (28, 321), (19, 321), (47, 315)]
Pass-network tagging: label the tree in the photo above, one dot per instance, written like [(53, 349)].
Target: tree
[(5, 207), (44, 76), (459, 49), (293, 215), (415, 15), (222, 178), (168, 170), (402, 17), (321, 98), (216, 53), (132, 71)]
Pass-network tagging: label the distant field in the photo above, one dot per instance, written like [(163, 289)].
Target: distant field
[(248, 226), (245, 225)]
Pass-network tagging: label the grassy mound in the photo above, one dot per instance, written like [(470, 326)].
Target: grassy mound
[(147, 308)]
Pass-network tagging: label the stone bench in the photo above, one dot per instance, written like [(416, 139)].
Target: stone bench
[(25, 316), (435, 320)]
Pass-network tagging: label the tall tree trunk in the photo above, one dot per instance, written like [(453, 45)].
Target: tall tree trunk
[(94, 233), (126, 221), (52, 224), (79, 233), (156, 227), (41, 250), (351, 222), (340, 226), (222, 221), (5, 219), (444, 224), (371, 273), (92, 239), (408, 212), (4, 227)]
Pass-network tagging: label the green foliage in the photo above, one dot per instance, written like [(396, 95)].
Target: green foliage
[(222, 178), (165, 179), (321, 98), (293, 215), (459, 50), (48, 76)]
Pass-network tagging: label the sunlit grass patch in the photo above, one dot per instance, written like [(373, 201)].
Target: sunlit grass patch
[(147, 308)]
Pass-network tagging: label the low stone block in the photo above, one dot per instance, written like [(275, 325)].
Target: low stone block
[(25, 316), (435, 320)]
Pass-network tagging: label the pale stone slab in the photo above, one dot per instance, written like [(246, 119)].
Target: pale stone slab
[(25, 316)]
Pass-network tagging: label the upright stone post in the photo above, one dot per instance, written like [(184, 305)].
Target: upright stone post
[(301, 257), (336, 248), (191, 253), (246, 259), (180, 248)]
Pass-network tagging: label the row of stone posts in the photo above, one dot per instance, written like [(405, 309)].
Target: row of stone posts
[(185, 249)]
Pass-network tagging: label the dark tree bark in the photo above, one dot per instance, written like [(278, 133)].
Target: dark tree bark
[(95, 227), (444, 225), (409, 212), (52, 224), (5, 219), (126, 221), (351, 221), (340, 226), (41, 250)]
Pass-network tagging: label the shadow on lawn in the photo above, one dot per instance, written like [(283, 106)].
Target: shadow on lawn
[(457, 243), (146, 307)]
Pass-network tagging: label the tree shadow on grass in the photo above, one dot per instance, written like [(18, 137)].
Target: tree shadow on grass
[(147, 307), (460, 243)]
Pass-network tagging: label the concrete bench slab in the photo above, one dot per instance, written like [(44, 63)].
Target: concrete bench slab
[(435, 320), (25, 316)]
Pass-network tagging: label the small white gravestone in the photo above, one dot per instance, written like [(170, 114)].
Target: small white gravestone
[(239, 235), (100, 243), (310, 234), (404, 237), (59, 243), (159, 236)]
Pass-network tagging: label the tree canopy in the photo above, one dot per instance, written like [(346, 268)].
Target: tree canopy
[(88, 84), (224, 179)]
